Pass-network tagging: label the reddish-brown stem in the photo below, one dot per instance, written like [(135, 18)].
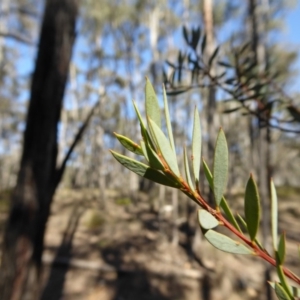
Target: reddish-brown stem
[(196, 197), (259, 252)]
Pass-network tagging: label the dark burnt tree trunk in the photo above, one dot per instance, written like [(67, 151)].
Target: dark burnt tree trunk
[(38, 176)]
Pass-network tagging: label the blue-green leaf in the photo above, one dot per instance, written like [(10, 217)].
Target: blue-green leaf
[(226, 244), (252, 207), (144, 131), (168, 121), (154, 160), (143, 147), (207, 220), (283, 280), (243, 222), (208, 174), (138, 114), (196, 146), (281, 249), (281, 293), (129, 144), (142, 124), (164, 147), (224, 205), (131, 164), (272, 284), (187, 171), (274, 215), (296, 291), (220, 168), (152, 106), (143, 170)]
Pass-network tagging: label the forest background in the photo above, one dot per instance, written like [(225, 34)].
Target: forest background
[(114, 218)]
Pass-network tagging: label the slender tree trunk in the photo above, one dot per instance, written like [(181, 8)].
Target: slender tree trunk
[(38, 178), (208, 125), (210, 47), (210, 110), (257, 15), (154, 35)]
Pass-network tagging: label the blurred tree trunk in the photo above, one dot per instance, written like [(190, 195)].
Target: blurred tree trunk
[(38, 176), (211, 98), (208, 122), (210, 105), (257, 15)]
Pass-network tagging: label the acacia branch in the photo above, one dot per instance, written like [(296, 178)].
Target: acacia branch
[(215, 81), (262, 253)]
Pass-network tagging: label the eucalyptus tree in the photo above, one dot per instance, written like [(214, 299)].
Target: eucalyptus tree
[(38, 177)]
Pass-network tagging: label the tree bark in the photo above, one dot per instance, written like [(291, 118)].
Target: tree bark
[(210, 105), (257, 15), (37, 177)]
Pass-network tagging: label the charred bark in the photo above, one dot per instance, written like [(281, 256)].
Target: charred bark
[(37, 178)]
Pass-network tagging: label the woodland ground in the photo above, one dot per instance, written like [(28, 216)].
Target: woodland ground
[(124, 253)]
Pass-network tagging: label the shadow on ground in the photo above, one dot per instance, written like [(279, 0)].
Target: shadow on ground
[(134, 281), (55, 285)]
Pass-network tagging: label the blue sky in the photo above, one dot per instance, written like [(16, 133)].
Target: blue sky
[(293, 24), (289, 36)]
